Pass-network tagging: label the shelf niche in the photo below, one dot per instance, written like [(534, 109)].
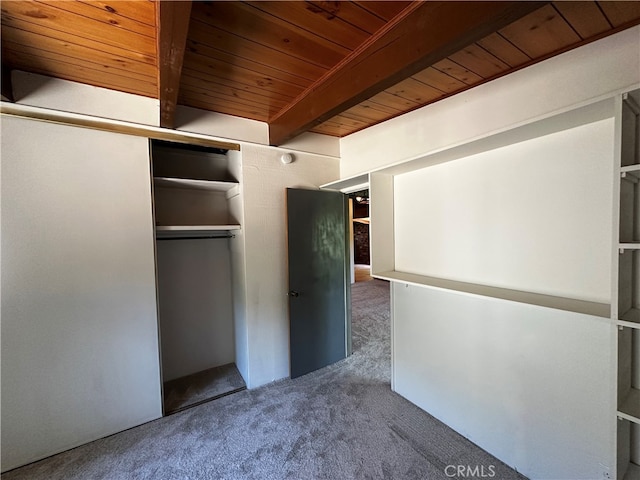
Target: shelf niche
[(176, 160), (629, 285), (192, 186), (400, 196), (630, 205), (629, 373), (628, 403), (627, 468)]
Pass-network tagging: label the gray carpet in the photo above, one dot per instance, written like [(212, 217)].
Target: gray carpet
[(342, 422)]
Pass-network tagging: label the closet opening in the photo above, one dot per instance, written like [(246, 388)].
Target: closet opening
[(192, 190)]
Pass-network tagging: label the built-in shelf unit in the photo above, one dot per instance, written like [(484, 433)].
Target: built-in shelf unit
[(626, 292), (383, 222), (193, 188)]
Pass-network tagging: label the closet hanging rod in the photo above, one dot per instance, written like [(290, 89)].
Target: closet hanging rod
[(195, 237)]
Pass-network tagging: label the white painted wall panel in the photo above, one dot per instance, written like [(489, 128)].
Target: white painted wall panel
[(530, 385), (534, 216), (79, 326), (594, 71), (310, 142), (189, 119), (66, 96)]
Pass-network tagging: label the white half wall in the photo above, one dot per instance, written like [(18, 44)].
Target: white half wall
[(264, 183), (583, 75), (534, 216), (531, 385), (79, 327)]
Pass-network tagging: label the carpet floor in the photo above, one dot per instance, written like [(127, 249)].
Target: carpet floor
[(341, 422)]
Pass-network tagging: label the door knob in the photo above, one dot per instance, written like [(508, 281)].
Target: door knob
[(293, 293)]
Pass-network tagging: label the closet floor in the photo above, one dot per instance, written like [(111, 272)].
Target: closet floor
[(201, 387)]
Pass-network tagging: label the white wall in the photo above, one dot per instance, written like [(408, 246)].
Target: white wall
[(534, 216), (531, 385), (195, 120), (56, 94), (79, 327), (264, 182), (591, 72)]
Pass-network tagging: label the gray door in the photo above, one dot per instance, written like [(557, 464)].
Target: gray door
[(319, 287)]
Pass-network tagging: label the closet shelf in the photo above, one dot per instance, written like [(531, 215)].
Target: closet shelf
[(630, 168), (548, 301), (168, 231), (348, 184), (211, 185), (629, 245), (630, 406), (631, 316)]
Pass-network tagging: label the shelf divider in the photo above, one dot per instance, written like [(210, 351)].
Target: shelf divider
[(630, 168), (348, 184), (168, 231), (213, 185)]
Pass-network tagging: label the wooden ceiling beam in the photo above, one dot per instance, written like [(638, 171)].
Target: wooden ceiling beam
[(419, 36), (172, 27)]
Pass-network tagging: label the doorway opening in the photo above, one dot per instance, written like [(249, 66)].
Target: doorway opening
[(370, 297), (359, 236)]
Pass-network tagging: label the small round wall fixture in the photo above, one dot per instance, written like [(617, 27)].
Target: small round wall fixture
[(286, 158)]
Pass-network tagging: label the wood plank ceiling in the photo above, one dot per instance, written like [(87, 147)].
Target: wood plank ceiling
[(326, 67)]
